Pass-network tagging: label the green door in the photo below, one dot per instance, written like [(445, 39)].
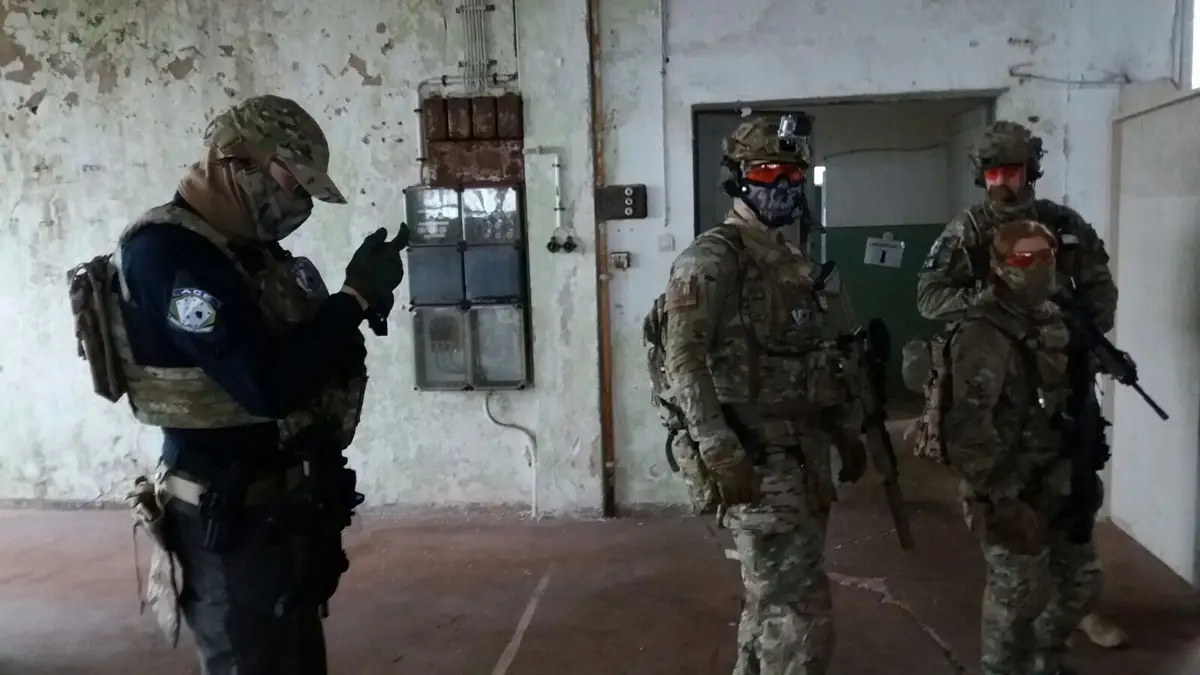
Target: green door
[(889, 293)]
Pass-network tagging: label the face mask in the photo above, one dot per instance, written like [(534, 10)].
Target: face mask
[(1029, 279), (278, 212), (775, 206)]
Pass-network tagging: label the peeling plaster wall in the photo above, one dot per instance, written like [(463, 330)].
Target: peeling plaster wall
[(766, 50), (103, 105)]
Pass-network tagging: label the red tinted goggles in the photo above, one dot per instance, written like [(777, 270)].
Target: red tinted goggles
[(1024, 260), (768, 174), (1000, 175)]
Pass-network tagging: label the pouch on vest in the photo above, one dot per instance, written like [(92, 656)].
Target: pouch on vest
[(90, 286), (825, 378), (927, 428), (163, 584), (916, 364)]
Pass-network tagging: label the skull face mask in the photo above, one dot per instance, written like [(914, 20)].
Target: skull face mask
[(773, 192)]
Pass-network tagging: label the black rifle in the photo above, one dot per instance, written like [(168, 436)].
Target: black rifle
[(1089, 352), (868, 349)]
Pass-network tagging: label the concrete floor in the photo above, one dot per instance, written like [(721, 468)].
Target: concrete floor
[(634, 597)]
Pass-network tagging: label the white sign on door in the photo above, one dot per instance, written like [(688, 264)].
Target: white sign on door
[(884, 251)]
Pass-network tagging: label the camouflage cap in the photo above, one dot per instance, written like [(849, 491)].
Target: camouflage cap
[(1007, 143), (757, 141), (272, 127)]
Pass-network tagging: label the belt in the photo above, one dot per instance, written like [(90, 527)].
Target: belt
[(260, 492)]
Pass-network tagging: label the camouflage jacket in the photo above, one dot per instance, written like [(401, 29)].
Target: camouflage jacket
[(1008, 382), (954, 270), (744, 329)]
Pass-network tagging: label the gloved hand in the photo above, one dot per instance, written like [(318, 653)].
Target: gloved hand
[(738, 484), (1011, 524), (731, 469), (377, 315), (376, 269), (854, 458)]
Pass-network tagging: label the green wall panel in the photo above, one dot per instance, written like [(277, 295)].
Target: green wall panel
[(889, 293)]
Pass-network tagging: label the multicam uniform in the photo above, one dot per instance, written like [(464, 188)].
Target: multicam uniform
[(757, 383)]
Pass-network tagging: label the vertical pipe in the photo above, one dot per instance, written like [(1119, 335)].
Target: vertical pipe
[(609, 466)]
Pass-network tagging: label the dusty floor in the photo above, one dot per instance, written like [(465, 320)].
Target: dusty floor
[(635, 597)]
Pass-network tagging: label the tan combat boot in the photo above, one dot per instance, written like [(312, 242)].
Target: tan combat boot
[(1103, 632)]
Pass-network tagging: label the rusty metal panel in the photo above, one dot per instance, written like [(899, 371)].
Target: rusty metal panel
[(433, 118), (509, 117), (455, 164), (483, 117), (458, 112)]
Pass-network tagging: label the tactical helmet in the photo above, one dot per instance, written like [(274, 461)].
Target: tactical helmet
[(1007, 143), (758, 140), (272, 127)]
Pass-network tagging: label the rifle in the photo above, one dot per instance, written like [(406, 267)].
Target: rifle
[(1089, 352), (867, 349)]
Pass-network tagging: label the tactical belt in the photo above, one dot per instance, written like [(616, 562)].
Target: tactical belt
[(183, 487)]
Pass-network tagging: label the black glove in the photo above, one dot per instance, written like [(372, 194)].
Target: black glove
[(376, 268), (377, 315)]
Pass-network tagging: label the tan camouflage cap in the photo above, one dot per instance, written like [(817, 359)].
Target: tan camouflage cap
[(1007, 143), (269, 127), (1009, 233), (757, 141)]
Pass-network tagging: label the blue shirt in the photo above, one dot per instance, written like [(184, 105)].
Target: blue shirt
[(191, 307)]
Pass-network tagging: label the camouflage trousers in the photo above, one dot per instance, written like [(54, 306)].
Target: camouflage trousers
[(786, 625), (244, 605), (1032, 604)]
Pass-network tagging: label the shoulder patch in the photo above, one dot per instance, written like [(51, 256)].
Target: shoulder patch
[(682, 293), (939, 252), (308, 278), (193, 311)]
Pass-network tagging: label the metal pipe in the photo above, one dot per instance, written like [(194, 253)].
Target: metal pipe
[(559, 209), (516, 37), (609, 465)]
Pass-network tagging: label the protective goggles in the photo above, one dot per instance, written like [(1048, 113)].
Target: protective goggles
[(1030, 258), (769, 174), (1000, 175)]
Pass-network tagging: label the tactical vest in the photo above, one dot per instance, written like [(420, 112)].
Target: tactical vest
[(773, 350), (289, 291), (748, 366)]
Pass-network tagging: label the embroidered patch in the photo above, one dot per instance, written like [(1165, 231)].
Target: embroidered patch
[(682, 293), (193, 311), (802, 316), (308, 278), (940, 251)]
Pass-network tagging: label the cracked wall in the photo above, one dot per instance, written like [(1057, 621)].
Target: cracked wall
[(711, 52), (103, 104)]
